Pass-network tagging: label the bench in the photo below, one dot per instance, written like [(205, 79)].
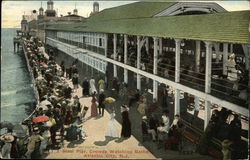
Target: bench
[(190, 137)]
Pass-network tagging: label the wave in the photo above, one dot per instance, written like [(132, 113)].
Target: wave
[(19, 90)]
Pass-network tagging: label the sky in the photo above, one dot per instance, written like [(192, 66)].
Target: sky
[(12, 11)]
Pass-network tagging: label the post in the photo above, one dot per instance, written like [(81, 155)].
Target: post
[(106, 45), (208, 82), (177, 75), (115, 55), (138, 63), (216, 46), (125, 58), (155, 83), (225, 58), (231, 48), (197, 55), (160, 46), (147, 45)]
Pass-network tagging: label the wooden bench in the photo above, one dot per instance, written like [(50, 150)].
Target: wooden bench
[(190, 137)]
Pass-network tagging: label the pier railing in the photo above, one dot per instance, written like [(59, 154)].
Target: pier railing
[(31, 75)]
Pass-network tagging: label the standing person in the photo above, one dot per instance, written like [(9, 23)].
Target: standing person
[(32, 142), (101, 84), (93, 106), (85, 87), (112, 129), (70, 72), (63, 68), (101, 105), (145, 128), (7, 139), (165, 120), (75, 81), (92, 86), (126, 125)]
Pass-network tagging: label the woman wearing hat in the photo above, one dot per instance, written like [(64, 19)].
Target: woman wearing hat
[(7, 139)]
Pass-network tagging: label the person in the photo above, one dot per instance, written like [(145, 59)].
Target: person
[(142, 106), (112, 129), (79, 131), (75, 81), (62, 68), (93, 106), (126, 125), (165, 120), (85, 87), (69, 117), (146, 130), (33, 139), (175, 121), (92, 86), (162, 133), (225, 149), (153, 106), (46, 140), (134, 98), (101, 84), (6, 149), (101, 105), (235, 127)]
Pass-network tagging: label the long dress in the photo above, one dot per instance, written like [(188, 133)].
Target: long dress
[(112, 129), (92, 87), (101, 84), (93, 107), (126, 125)]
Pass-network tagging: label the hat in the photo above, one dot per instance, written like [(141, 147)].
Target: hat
[(144, 118), (35, 129), (7, 138)]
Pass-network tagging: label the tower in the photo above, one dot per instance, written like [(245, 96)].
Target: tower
[(41, 10), (75, 11), (50, 12), (24, 25), (95, 7)]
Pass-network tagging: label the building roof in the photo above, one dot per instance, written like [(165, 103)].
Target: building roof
[(132, 10), (229, 27), (220, 27)]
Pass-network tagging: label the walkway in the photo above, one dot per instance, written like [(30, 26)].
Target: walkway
[(97, 146)]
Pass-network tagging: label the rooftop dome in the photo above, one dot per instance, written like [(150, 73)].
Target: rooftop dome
[(50, 2), (41, 9), (96, 4)]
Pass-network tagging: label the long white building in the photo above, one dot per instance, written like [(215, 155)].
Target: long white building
[(185, 45)]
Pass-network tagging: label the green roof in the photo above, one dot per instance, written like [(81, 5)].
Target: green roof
[(132, 10), (229, 27)]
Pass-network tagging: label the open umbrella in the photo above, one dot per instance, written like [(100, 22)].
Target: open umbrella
[(20, 130), (109, 100), (40, 119), (45, 103)]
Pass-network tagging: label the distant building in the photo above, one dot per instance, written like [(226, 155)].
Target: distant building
[(46, 18)]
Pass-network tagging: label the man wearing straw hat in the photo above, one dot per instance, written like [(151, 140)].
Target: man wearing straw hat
[(7, 139)]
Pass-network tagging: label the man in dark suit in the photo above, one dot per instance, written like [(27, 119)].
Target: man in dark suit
[(101, 99)]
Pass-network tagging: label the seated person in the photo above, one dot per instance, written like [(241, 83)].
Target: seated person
[(146, 130)]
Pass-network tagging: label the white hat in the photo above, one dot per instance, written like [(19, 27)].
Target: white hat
[(7, 138)]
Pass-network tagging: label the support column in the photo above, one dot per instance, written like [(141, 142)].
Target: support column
[(208, 82), (225, 58), (177, 75), (197, 55), (216, 46), (115, 55), (231, 48), (160, 46), (106, 45), (125, 58), (138, 63), (155, 83), (147, 45)]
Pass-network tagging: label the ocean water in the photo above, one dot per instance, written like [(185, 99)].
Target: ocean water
[(17, 96)]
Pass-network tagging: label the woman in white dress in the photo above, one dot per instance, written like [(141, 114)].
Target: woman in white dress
[(92, 86), (112, 129)]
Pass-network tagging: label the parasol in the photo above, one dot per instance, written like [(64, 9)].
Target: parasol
[(109, 100), (20, 130), (40, 119)]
